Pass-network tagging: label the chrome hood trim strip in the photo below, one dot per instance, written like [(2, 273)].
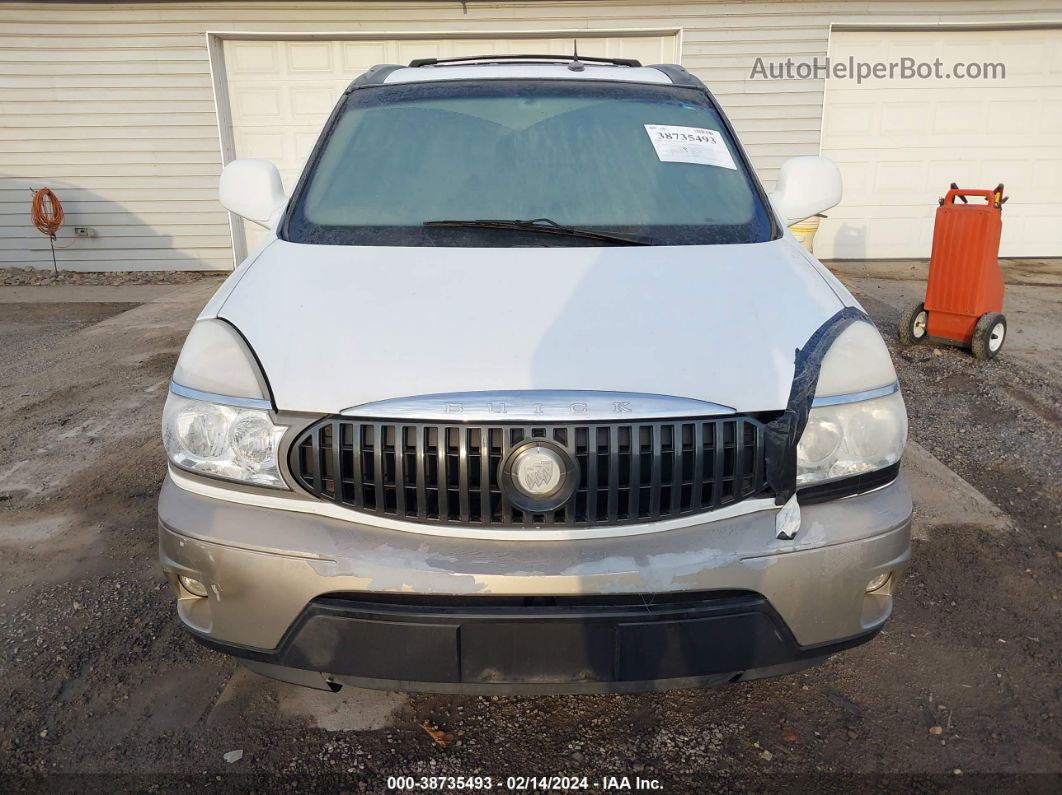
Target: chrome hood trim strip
[(558, 405), (856, 397), (223, 400)]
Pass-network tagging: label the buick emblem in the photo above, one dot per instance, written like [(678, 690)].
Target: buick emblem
[(538, 471), (538, 476)]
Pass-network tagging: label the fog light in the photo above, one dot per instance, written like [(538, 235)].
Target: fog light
[(877, 583), (194, 587)]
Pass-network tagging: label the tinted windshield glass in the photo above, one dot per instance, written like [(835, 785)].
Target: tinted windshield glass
[(599, 156)]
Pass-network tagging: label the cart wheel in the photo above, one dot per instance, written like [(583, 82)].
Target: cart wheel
[(988, 336), (914, 325)]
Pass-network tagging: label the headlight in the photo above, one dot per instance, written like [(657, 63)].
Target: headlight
[(240, 444), (851, 438), (217, 419), (858, 422)]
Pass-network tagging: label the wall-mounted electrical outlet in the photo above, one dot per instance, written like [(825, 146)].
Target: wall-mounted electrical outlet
[(84, 231)]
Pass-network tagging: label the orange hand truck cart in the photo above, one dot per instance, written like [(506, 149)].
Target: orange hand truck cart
[(964, 297)]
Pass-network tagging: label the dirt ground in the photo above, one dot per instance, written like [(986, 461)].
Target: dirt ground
[(101, 690)]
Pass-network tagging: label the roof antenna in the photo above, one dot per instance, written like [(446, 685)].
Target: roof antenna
[(576, 65)]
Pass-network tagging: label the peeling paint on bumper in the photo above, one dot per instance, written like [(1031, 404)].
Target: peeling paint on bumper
[(264, 566)]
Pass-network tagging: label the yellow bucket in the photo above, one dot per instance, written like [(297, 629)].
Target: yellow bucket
[(805, 230)]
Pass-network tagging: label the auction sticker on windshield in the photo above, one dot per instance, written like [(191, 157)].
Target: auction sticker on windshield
[(690, 145)]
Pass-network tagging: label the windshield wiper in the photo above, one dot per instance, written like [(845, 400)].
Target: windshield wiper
[(544, 225)]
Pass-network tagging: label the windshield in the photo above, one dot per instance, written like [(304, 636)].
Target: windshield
[(652, 163)]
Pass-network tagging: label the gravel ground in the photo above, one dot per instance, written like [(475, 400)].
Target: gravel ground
[(38, 277), (960, 692), (998, 424)]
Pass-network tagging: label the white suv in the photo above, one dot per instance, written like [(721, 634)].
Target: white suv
[(530, 390)]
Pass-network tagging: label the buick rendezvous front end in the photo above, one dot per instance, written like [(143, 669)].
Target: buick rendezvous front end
[(529, 391)]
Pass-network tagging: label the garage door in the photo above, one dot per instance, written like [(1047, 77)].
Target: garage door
[(900, 143), (281, 92)]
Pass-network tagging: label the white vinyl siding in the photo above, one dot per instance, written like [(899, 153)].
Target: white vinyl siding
[(112, 105)]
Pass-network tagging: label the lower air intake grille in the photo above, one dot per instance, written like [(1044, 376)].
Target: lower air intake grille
[(629, 472)]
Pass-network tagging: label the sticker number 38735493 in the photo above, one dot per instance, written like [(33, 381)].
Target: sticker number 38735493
[(690, 145)]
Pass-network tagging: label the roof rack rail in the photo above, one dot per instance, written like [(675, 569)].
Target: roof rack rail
[(492, 58)]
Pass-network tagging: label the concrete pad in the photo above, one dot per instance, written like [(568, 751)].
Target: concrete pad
[(943, 498), (1030, 272), (89, 294), (351, 709), (33, 531)]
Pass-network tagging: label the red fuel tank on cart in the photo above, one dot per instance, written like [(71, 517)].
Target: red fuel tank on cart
[(965, 282)]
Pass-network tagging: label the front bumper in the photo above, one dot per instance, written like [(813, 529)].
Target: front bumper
[(388, 608)]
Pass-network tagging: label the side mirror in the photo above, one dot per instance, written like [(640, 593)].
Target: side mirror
[(252, 189), (806, 186)]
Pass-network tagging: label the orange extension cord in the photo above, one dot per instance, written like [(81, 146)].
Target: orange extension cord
[(47, 214)]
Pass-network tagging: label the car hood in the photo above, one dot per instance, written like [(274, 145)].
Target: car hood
[(335, 327)]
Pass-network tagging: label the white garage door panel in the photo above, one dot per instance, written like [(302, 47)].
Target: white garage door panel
[(900, 143), (281, 92)]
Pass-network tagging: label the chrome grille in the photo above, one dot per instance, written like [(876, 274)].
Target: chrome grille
[(441, 473)]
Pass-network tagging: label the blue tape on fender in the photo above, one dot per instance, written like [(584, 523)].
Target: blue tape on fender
[(783, 433)]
